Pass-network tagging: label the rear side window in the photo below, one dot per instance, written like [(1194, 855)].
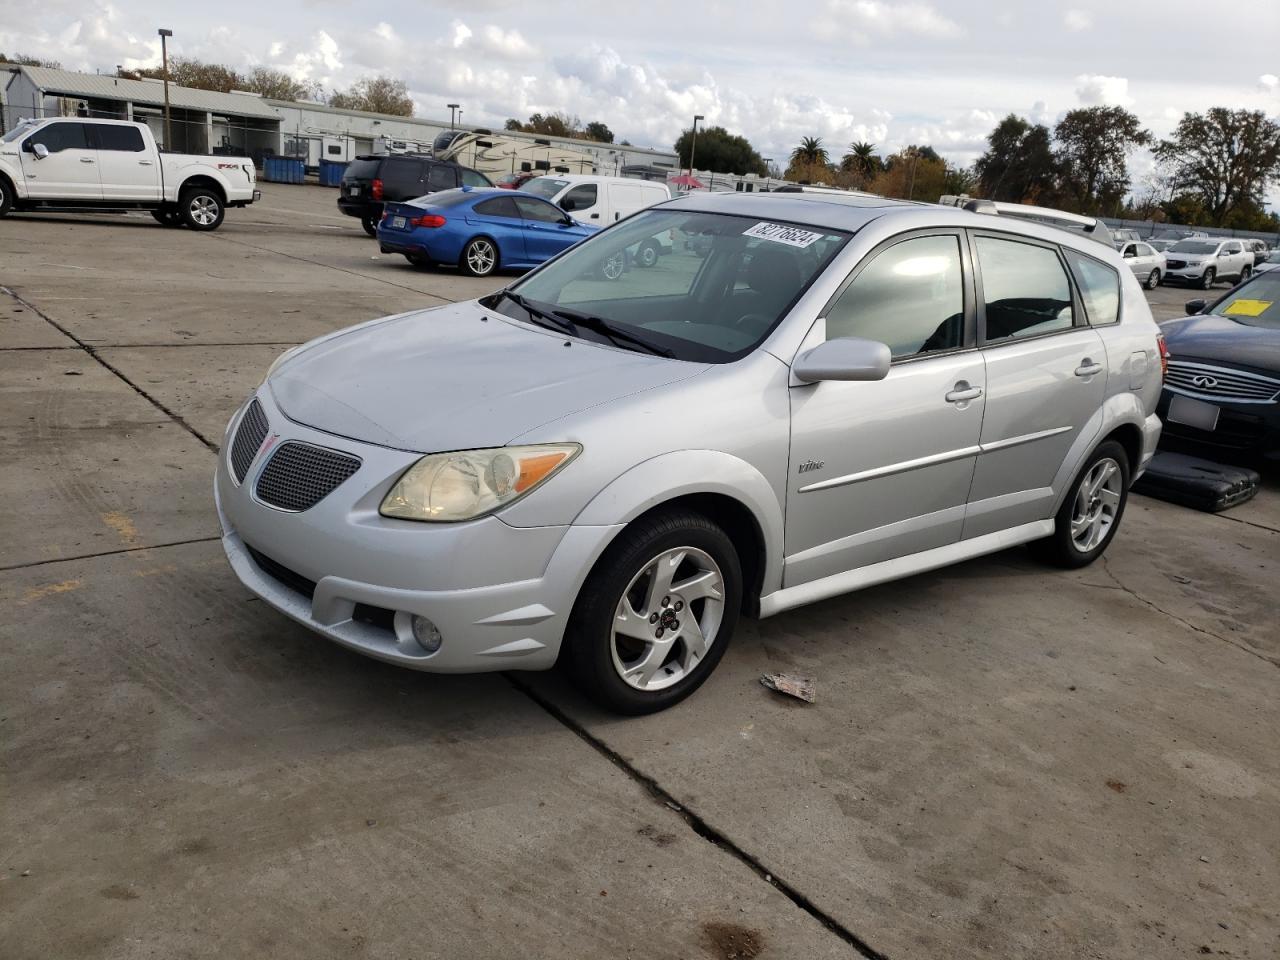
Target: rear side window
[(441, 178), (470, 178), (498, 207), (1099, 288), (111, 137), (59, 136), (910, 296), (362, 168), (1025, 290)]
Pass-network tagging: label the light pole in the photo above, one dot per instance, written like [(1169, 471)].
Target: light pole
[(452, 113), (693, 143), (164, 62)]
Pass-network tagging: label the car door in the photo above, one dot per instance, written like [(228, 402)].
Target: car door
[(545, 230), (1134, 261), (1046, 378), (624, 200), (126, 169), (1233, 259), (499, 218), (882, 469), (70, 171)]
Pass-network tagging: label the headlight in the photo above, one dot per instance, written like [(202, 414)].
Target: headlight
[(446, 487)]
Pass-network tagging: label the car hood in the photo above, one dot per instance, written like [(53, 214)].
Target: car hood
[(456, 378), (1211, 337)]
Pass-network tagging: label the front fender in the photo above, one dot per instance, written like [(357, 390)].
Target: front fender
[(11, 169), (684, 472)]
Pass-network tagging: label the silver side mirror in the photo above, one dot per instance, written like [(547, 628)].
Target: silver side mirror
[(40, 150), (848, 358)]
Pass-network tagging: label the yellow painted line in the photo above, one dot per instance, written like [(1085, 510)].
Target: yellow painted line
[(122, 525), (49, 590)]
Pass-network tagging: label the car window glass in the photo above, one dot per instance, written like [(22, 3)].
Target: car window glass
[(1253, 304), (1099, 288), (113, 137), (579, 198), (539, 210), (60, 136), (1131, 250), (441, 177), (1025, 289), (545, 187), (1144, 250), (471, 178), (910, 296), (498, 207)]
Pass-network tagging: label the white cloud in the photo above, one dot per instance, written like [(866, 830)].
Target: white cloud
[(1077, 20), (860, 20), (1098, 90), (1269, 82)]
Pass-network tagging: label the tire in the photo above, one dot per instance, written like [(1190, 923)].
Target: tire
[(370, 225), (479, 257), (1245, 274), (201, 208), (6, 196), (647, 255), (1075, 542), (168, 217), (1153, 280), (658, 646), (613, 268), (1206, 281)]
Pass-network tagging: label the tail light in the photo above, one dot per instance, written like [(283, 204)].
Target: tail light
[(1164, 356), (375, 189), (428, 220)]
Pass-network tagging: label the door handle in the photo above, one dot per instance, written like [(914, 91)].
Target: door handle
[(86, 159), (144, 163), (963, 393), (595, 216), (1088, 368)]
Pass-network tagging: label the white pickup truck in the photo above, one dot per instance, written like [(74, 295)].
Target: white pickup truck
[(73, 163)]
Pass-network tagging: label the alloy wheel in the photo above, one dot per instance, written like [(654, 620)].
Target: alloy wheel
[(614, 266), (1153, 280), (667, 619), (204, 210), (481, 257), (1096, 502)]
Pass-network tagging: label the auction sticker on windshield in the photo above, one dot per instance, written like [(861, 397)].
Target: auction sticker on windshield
[(791, 236), (1248, 308)]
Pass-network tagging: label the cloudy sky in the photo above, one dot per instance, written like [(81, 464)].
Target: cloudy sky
[(894, 73)]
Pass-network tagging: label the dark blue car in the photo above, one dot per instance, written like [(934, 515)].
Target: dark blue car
[(479, 230)]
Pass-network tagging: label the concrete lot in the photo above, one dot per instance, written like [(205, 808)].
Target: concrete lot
[(1004, 761)]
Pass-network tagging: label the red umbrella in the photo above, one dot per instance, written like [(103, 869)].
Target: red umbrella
[(684, 180)]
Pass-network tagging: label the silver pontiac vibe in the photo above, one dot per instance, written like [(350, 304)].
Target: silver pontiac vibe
[(610, 462)]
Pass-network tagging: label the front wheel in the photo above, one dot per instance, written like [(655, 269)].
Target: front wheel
[(647, 255), (6, 197), (1206, 281), (1090, 516), (201, 208), (656, 614), (615, 266), (479, 257), (1153, 280), (1245, 274)]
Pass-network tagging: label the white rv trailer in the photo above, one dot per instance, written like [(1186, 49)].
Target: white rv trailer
[(495, 155)]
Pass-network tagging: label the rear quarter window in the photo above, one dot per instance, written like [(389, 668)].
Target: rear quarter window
[(1099, 288)]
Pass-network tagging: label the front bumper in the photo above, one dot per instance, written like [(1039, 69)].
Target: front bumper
[(1188, 274), (1243, 430), (499, 595)]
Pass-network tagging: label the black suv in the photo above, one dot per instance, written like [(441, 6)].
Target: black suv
[(368, 182)]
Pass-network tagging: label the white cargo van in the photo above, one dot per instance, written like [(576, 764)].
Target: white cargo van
[(598, 201)]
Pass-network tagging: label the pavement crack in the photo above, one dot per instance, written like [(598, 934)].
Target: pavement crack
[(697, 824), (1184, 622), (107, 553), (93, 352)]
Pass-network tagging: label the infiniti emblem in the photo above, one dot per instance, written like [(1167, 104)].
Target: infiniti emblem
[(1205, 382)]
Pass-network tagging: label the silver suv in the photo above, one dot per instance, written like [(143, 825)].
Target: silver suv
[(1205, 261), (837, 392)]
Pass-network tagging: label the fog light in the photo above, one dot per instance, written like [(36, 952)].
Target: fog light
[(426, 633)]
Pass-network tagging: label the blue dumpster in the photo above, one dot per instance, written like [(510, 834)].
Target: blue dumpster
[(283, 170), (331, 172)]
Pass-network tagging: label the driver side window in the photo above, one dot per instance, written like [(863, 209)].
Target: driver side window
[(58, 137), (911, 297)]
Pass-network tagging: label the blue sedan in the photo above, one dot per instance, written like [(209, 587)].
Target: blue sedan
[(479, 230)]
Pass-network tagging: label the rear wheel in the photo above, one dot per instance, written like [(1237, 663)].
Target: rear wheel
[(1090, 516), (647, 255), (1209, 277), (1153, 280), (201, 208), (656, 614), (1245, 274), (370, 225), (615, 266), (479, 257)]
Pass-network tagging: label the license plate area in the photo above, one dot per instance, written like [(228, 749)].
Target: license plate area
[(398, 222), (1193, 413)]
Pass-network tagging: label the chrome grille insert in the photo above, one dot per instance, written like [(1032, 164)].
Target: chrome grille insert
[(248, 440), (299, 475), (1220, 383)]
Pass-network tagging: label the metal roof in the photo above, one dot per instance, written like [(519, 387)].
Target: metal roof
[(66, 83)]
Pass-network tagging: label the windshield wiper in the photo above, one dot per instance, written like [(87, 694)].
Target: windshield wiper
[(618, 337), (541, 317)]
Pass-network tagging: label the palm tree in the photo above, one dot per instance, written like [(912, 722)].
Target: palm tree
[(861, 159), (810, 152)]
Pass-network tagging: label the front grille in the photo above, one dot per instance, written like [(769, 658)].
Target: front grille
[(298, 475), (1175, 264), (1221, 383), (248, 439)]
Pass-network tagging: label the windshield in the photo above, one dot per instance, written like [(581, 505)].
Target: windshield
[(362, 168), (544, 187), (18, 131), (1193, 246), (1255, 304), (713, 288)]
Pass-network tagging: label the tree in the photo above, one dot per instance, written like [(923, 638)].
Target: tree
[(595, 130), (912, 174), (553, 125), (1225, 158), (959, 180), (1093, 146), (810, 151), (861, 160), (513, 124), (1018, 165), (278, 85), (810, 162), (190, 72), (720, 151), (375, 95), (23, 60)]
